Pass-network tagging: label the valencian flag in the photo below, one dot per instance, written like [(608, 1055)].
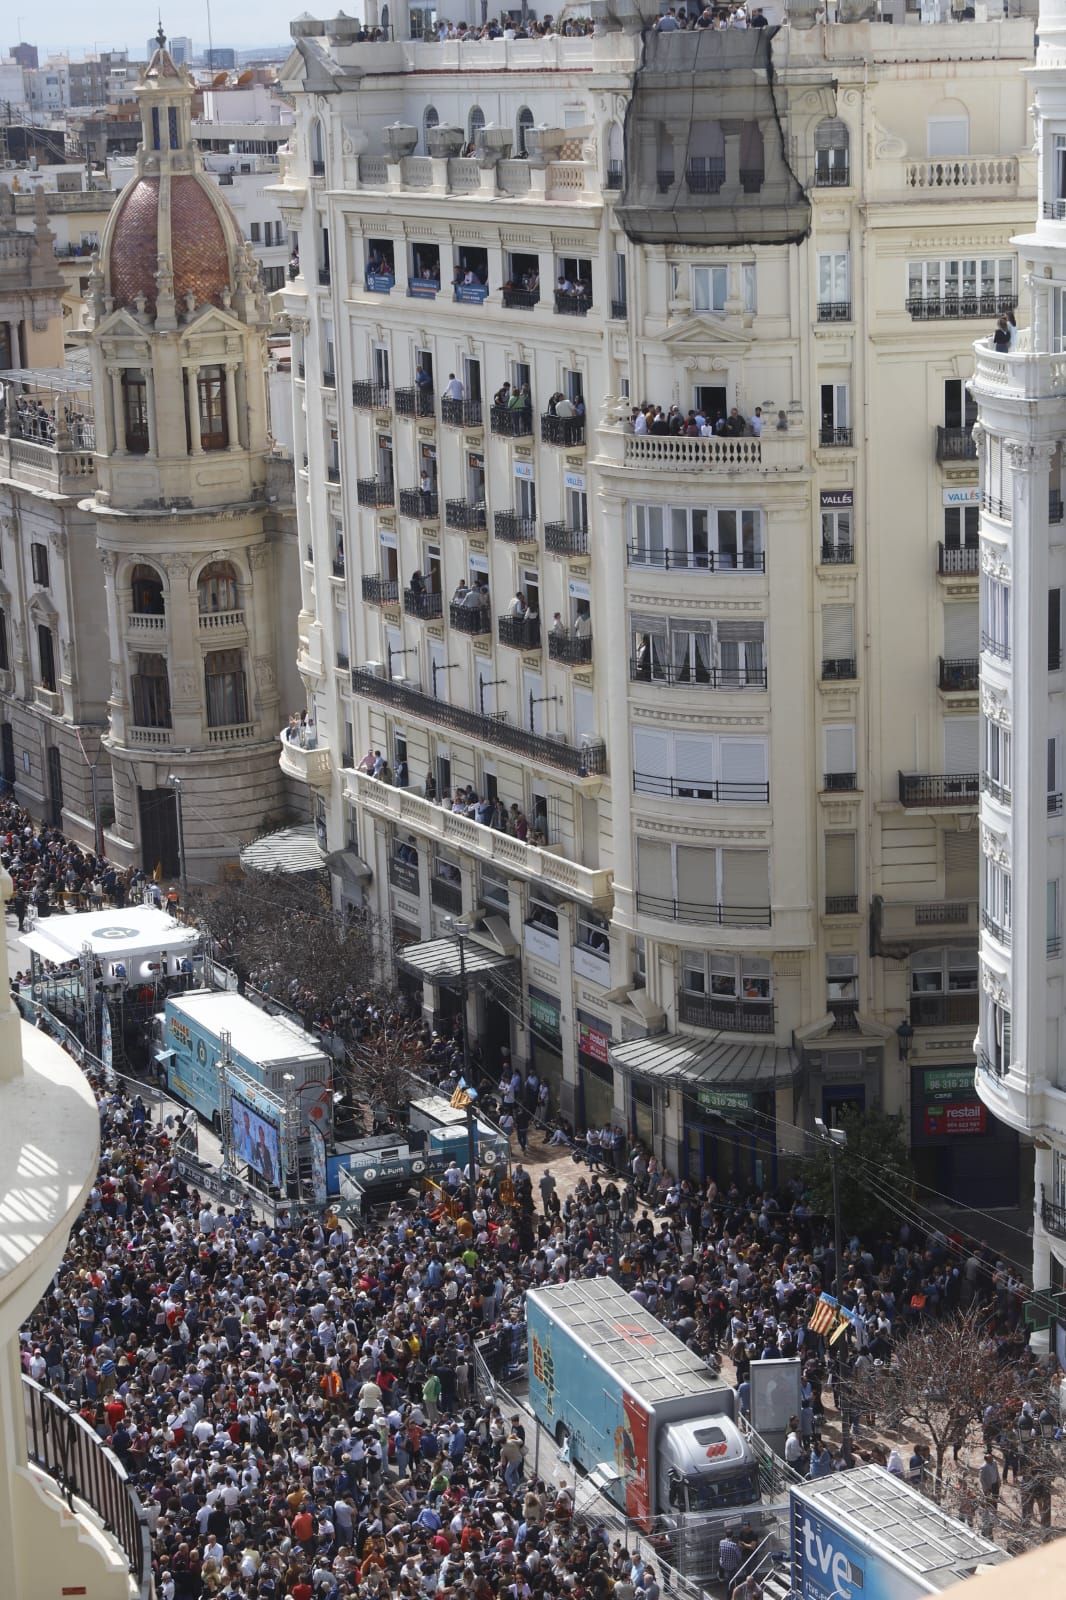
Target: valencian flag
[(461, 1097), (826, 1315)]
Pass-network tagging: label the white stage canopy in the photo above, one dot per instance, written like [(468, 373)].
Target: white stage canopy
[(130, 944)]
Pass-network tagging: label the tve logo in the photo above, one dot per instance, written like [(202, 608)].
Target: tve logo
[(830, 1570)]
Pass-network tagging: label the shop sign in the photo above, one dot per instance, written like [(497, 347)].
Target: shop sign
[(836, 499), (962, 497), (951, 1103), (591, 1042), (544, 1016), (725, 1099), (947, 1083)]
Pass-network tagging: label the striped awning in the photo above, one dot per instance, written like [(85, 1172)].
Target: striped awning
[(708, 1064), (290, 850)]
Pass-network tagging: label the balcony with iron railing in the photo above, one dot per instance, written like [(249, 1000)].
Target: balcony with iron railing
[(588, 759), (338, 567), (520, 633), (573, 302), (845, 1015), (1052, 1217), (1054, 505), (474, 619), (422, 504), (839, 554), (511, 527), (841, 905), (725, 1015), (511, 422), (711, 789), (379, 590), (446, 895), (838, 669), (840, 782), (947, 308), (619, 310), (424, 606), (670, 910), (465, 516), (516, 298), (681, 560), (329, 379), (939, 791), (568, 432), (333, 472), (955, 444), (834, 311), (999, 930), (419, 401), (93, 1484), (460, 413), (957, 561), (370, 396), (689, 675), (571, 649), (958, 676), (834, 438), (832, 175), (898, 927), (707, 178), (959, 1010), (613, 178), (560, 539), (376, 493)]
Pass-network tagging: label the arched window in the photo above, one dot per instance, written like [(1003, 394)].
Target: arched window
[(831, 153), (523, 124), (318, 150), (430, 120), (151, 692), (474, 123), (225, 688), (615, 171), (218, 588), (147, 598)]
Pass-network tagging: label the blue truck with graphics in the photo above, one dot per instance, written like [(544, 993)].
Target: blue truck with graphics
[(641, 1413), (192, 1031), (867, 1535)]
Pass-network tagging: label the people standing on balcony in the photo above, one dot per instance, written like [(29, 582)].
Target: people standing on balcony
[(756, 422), (1012, 329), (502, 397), (521, 399), (583, 623), (427, 489), (558, 627), (461, 592), (453, 389), (1001, 337), (423, 381), (418, 583), (565, 407), (517, 607)]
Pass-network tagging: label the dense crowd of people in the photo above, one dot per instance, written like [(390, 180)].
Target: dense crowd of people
[(27, 417), (50, 872)]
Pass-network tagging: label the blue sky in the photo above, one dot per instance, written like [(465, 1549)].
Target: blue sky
[(71, 25)]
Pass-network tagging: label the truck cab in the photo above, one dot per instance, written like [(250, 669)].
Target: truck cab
[(705, 1465)]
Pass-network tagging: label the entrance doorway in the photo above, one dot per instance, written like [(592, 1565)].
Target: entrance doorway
[(7, 752), (711, 400), (158, 811), (55, 785)]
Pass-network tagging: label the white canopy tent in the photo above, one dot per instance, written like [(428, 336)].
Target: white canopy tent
[(131, 945)]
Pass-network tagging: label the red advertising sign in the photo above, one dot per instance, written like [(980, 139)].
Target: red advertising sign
[(954, 1117), (634, 1462), (592, 1042)]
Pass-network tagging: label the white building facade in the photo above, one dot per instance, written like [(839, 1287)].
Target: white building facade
[(743, 728), (1021, 399)]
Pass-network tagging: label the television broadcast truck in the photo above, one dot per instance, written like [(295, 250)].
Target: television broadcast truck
[(642, 1414)]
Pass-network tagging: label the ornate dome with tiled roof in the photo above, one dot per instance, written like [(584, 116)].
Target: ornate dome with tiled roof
[(171, 236)]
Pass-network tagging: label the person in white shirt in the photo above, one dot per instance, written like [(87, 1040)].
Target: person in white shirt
[(454, 388), (756, 422), (640, 423)]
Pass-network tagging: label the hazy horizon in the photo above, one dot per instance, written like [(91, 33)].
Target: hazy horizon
[(239, 25)]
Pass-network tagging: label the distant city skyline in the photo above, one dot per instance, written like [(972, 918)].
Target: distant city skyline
[(241, 25)]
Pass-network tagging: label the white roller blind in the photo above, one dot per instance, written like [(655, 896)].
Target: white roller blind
[(651, 753), (961, 631), (696, 876), (693, 760), (584, 713), (961, 745), (742, 760), (654, 869), (839, 864), (840, 747), (961, 856), (745, 878), (838, 633)]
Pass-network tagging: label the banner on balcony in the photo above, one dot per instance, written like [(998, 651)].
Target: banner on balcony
[(725, 1099), (524, 469), (836, 499), (574, 480), (963, 497)]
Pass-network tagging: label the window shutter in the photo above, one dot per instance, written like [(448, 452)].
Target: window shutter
[(961, 631), (696, 876), (745, 879), (838, 633), (961, 745), (839, 864), (584, 713), (654, 869), (742, 761), (651, 753), (693, 760), (960, 865), (840, 747), (740, 632)]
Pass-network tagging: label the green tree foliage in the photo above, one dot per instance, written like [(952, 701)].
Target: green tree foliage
[(874, 1140)]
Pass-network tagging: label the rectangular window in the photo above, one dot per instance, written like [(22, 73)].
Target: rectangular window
[(135, 407), (1054, 776), (151, 692), (837, 544), (211, 405), (962, 746), (995, 616), (710, 287), (1054, 918), (961, 630), (997, 754), (46, 655), (5, 660), (835, 414), (254, 233), (39, 564), (840, 871), (840, 769), (695, 537), (996, 898), (961, 527), (960, 407), (691, 766), (727, 655), (688, 883), (838, 641), (227, 695), (967, 287), (834, 277), (1054, 630)]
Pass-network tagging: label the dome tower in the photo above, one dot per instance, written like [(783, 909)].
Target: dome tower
[(177, 344)]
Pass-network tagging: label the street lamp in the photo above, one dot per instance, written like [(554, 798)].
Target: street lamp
[(904, 1036), (175, 784), (834, 1140)]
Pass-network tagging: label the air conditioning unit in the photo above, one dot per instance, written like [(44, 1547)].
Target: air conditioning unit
[(375, 669), (592, 741)]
